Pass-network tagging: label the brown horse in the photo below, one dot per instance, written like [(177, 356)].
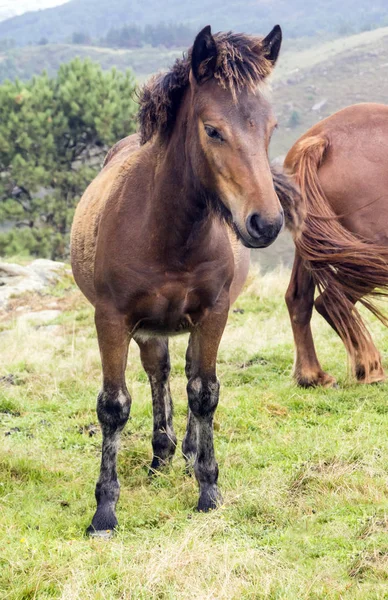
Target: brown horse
[(152, 251), (341, 166)]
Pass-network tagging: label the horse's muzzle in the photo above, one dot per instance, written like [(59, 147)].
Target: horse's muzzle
[(261, 232)]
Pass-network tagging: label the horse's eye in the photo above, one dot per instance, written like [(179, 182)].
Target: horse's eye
[(213, 133)]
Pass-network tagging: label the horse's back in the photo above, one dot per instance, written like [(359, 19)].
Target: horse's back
[(88, 214), (353, 168)]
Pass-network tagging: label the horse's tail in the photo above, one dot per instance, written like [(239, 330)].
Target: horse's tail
[(290, 200), (348, 267)]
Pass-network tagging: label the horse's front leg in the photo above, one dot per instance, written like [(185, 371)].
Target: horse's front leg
[(189, 444), (203, 390), (113, 407)]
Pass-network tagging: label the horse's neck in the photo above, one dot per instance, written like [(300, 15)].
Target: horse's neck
[(183, 216)]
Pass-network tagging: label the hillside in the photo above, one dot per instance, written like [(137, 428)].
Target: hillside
[(26, 62), (333, 74), (96, 18), (10, 8), (311, 85), (303, 472)]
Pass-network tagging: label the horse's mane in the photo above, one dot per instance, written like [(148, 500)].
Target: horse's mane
[(241, 62)]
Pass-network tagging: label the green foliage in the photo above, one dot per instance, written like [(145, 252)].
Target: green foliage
[(54, 133)]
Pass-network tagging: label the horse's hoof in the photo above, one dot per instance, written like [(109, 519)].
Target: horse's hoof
[(103, 523), (154, 467), (105, 534), (158, 464), (209, 499), (320, 379), (372, 380), (375, 373)]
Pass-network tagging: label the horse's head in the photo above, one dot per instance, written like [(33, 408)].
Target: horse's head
[(229, 128)]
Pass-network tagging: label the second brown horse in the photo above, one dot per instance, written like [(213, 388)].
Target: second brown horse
[(341, 165), (151, 246)]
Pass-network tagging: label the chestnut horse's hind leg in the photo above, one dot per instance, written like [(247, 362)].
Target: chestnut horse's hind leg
[(300, 302), (365, 358), (113, 407), (203, 390), (156, 362)]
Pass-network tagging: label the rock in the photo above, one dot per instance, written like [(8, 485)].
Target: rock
[(319, 105), (45, 269), (12, 270), (15, 279)]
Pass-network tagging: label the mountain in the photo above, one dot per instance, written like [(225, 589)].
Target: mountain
[(10, 8), (96, 17), (308, 83)]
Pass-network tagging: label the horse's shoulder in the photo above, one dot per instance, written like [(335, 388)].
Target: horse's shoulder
[(124, 147)]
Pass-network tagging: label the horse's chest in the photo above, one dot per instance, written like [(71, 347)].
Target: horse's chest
[(179, 304)]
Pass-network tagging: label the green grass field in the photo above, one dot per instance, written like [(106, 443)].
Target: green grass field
[(304, 473)]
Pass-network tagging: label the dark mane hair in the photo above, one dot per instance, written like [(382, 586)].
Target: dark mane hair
[(241, 62)]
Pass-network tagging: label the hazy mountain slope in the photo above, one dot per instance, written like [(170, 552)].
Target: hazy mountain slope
[(10, 8), (96, 18), (336, 74), (26, 62), (351, 75)]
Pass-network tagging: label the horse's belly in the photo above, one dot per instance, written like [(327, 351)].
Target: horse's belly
[(170, 314), (149, 329)]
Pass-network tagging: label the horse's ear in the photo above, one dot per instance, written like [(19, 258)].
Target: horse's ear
[(272, 43), (204, 55)]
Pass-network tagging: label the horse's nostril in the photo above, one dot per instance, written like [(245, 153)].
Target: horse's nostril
[(253, 225), (260, 228)]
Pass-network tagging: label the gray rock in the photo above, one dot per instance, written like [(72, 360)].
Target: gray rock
[(319, 105), (15, 279)]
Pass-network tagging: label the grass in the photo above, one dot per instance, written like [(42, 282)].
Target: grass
[(303, 472)]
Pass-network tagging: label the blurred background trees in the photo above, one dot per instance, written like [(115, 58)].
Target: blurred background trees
[(54, 133)]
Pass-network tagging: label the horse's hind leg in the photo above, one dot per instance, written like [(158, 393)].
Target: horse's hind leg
[(300, 302), (203, 391), (189, 444), (113, 407), (156, 362), (364, 356)]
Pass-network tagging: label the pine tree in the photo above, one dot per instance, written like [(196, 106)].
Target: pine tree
[(54, 133)]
